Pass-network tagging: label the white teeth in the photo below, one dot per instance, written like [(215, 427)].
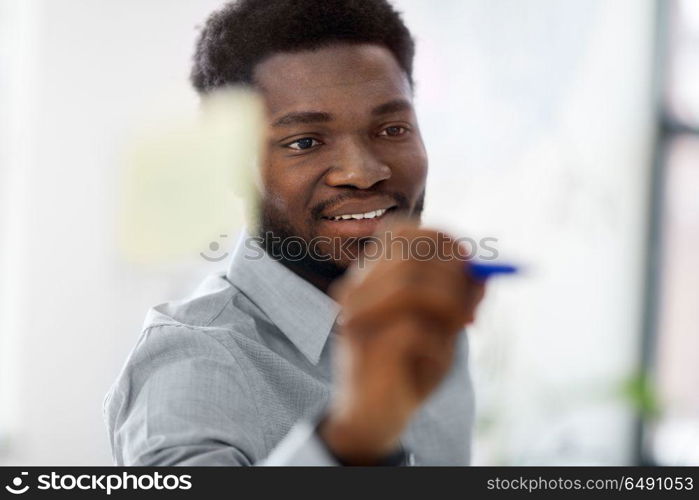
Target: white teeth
[(367, 215)]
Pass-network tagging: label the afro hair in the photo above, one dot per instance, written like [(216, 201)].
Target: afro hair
[(243, 33)]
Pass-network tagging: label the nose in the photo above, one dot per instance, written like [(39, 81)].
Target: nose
[(356, 165)]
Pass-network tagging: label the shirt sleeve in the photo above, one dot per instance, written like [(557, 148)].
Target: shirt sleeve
[(182, 399), (303, 446)]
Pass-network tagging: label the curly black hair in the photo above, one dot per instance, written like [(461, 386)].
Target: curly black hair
[(241, 34)]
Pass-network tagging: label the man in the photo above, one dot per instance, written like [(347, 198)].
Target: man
[(257, 367)]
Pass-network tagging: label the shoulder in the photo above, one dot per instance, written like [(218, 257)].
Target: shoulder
[(209, 331), (216, 310)]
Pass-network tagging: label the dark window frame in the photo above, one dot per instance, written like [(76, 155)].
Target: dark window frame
[(668, 129)]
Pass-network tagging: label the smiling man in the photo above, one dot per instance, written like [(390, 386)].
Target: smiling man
[(258, 366)]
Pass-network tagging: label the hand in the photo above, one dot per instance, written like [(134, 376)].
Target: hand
[(400, 320)]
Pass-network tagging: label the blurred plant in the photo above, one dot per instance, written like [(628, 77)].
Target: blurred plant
[(639, 390)]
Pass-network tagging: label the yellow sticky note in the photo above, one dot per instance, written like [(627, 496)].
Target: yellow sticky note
[(188, 180)]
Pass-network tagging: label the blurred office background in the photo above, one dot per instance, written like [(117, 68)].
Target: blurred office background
[(567, 130)]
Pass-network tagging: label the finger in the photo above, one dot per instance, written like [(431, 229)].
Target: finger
[(431, 301), (408, 276), (475, 297)]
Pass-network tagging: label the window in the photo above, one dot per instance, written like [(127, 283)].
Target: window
[(675, 431)]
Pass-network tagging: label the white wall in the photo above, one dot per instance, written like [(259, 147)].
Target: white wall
[(536, 115), (76, 305), (538, 121)]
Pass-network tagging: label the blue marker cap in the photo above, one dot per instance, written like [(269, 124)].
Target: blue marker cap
[(481, 271)]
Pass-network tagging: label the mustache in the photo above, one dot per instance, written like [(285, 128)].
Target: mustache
[(400, 199)]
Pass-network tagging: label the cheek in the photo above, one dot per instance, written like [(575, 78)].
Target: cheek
[(410, 171), (286, 189)]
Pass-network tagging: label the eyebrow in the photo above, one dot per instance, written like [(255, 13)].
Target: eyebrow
[(393, 106), (305, 117), (302, 117)]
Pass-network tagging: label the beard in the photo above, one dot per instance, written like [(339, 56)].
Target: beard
[(276, 230)]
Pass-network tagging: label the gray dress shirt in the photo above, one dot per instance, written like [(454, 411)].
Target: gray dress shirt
[(239, 372)]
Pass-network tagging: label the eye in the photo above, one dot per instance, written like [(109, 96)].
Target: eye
[(303, 144), (393, 131)]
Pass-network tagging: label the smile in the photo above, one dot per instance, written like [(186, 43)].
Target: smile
[(366, 215)]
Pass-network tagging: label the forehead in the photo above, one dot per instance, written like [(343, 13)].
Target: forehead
[(329, 78)]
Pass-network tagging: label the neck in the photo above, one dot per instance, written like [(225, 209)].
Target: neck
[(321, 282)]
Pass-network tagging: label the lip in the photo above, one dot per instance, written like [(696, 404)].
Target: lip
[(360, 207), (353, 228)]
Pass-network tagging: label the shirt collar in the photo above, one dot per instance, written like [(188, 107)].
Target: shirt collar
[(301, 311)]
